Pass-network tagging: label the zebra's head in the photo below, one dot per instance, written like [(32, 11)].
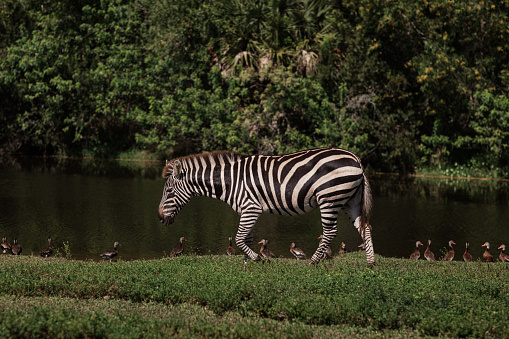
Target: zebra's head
[(174, 195)]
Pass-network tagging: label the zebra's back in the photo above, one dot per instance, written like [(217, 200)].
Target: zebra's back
[(297, 183)]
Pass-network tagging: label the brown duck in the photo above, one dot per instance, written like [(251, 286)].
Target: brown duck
[(264, 251), (503, 257), (467, 256), (230, 250), (328, 251), (297, 252), (179, 249), (6, 246), (342, 249), (428, 254), (109, 255), (48, 251), (416, 254), (16, 248), (450, 255), (486, 256)]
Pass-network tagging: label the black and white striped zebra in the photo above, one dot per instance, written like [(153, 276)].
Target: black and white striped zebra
[(328, 178)]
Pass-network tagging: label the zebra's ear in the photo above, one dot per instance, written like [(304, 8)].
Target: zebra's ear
[(166, 170), (177, 168)]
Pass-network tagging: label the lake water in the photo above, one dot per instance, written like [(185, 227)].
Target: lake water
[(92, 203)]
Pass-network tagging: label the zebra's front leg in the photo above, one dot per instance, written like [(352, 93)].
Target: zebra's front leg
[(329, 218), (244, 237)]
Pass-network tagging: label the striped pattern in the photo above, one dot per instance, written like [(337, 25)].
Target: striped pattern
[(328, 178)]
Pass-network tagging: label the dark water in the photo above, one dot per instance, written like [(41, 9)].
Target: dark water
[(90, 204)]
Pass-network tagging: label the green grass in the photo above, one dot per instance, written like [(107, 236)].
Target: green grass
[(470, 171), (216, 296)]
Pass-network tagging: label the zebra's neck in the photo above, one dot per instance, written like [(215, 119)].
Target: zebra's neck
[(211, 174)]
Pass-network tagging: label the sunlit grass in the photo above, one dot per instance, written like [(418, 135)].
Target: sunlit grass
[(227, 298)]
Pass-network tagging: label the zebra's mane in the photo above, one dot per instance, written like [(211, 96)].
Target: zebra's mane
[(227, 156)]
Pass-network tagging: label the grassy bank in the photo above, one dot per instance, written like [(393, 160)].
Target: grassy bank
[(215, 296)]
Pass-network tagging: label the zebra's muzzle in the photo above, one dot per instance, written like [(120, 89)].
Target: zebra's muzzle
[(165, 220)]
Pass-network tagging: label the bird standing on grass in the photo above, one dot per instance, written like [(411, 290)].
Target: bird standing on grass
[(48, 251), (428, 254), (179, 249), (16, 248), (297, 252), (230, 250), (467, 256), (416, 254), (503, 257), (6, 246), (450, 255), (109, 255), (264, 251), (342, 249), (486, 256)]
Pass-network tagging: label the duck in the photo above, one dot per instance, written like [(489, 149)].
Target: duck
[(47, 252), (450, 255), (297, 252), (467, 256), (328, 251), (417, 254), (428, 254), (111, 253), (486, 256), (179, 249), (230, 250), (16, 248), (6, 246), (264, 251), (343, 249), (503, 257)]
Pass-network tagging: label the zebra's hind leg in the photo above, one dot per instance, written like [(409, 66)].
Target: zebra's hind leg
[(329, 216), (370, 252), (353, 212)]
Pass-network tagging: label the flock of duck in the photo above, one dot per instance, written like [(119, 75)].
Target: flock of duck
[(486, 256), (15, 249), (297, 252)]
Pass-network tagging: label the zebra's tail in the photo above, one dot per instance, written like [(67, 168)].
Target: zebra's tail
[(366, 205)]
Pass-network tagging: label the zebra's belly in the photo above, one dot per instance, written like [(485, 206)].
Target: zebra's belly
[(292, 209)]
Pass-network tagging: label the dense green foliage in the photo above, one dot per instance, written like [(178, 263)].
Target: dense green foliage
[(227, 299), (404, 84)]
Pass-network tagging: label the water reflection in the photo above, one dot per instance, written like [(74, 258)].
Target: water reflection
[(83, 166), (92, 203)]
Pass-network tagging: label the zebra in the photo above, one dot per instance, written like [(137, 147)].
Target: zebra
[(326, 178)]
